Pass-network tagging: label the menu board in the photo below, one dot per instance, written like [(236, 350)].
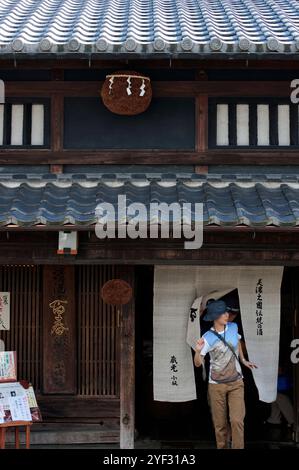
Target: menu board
[(8, 366), (18, 403)]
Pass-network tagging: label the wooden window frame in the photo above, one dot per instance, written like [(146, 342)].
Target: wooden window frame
[(252, 102), (201, 90), (47, 129)]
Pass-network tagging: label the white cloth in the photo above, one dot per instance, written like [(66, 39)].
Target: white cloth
[(263, 349), (173, 371), (176, 287), (193, 329)]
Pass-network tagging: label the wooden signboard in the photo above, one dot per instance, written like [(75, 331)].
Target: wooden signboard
[(59, 330)]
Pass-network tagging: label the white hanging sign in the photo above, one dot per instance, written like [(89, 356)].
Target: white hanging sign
[(4, 310)]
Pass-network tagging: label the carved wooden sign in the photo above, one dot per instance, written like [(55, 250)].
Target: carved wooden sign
[(59, 311), (59, 330)]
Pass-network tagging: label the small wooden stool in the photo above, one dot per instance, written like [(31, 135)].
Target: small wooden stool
[(16, 425)]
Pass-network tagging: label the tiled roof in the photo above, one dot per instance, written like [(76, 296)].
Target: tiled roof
[(66, 201), (149, 26)]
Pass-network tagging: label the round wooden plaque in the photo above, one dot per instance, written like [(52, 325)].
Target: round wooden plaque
[(116, 292)]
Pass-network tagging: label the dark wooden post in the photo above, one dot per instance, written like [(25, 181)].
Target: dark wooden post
[(127, 363), (59, 330), (296, 377)]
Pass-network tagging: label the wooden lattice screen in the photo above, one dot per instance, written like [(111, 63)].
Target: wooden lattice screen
[(97, 330), (98, 334), (24, 336)]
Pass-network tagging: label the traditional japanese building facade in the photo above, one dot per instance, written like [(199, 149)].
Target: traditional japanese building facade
[(222, 129)]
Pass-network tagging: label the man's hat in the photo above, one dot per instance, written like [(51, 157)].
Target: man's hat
[(215, 309), (232, 301), (215, 295)]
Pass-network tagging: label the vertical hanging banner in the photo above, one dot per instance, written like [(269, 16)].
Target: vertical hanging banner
[(193, 328), (178, 293), (4, 310), (59, 330), (259, 295), (172, 363)]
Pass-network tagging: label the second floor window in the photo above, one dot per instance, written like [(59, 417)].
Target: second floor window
[(253, 123), (24, 124)]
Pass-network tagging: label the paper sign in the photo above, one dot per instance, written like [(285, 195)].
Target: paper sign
[(19, 408), (15, 400), (4, 310), (8, 366), (31, 397), (2, 413)]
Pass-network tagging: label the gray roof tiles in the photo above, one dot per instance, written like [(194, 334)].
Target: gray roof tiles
[(149, 26), (69, 201)]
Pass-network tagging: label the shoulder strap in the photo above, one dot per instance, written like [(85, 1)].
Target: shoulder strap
[(226, 344)]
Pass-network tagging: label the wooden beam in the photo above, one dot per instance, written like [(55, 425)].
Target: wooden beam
[(127, 364), (152, 157), (176, 63), (55, 407), (57, 113), (160, 88), (60, 63), (201, 122), (218, 249), (57, 74)]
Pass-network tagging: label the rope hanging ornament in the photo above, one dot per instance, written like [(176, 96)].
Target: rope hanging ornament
[(126, 92)]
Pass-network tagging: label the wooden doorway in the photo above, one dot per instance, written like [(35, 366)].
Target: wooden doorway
[(161, 420), (192, 420)]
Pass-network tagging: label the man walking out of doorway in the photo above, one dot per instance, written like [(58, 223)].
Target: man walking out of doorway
[(226, 386)]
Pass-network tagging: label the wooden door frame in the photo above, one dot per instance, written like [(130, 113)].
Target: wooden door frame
[(296, 379), (127, 363)]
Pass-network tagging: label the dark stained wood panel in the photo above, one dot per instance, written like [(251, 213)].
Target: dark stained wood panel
[(59, 407), (98, 335), (168, 123), (24, 336), (59, 330)]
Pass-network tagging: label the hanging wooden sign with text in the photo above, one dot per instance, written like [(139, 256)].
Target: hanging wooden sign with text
[(59, 330), (4, 310)]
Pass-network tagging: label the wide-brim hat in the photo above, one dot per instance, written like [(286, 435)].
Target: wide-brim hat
[(215, 309), (215, 295), (232, 301)]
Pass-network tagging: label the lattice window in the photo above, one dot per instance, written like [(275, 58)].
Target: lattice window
[(98, 335), (24, 124), (24, 336), (253, 123)]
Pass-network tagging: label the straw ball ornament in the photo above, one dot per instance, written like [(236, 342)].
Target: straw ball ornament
[(126, 92), (116, 292)]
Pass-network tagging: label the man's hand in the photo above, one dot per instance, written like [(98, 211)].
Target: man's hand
[(199, 344), (250, 365)]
